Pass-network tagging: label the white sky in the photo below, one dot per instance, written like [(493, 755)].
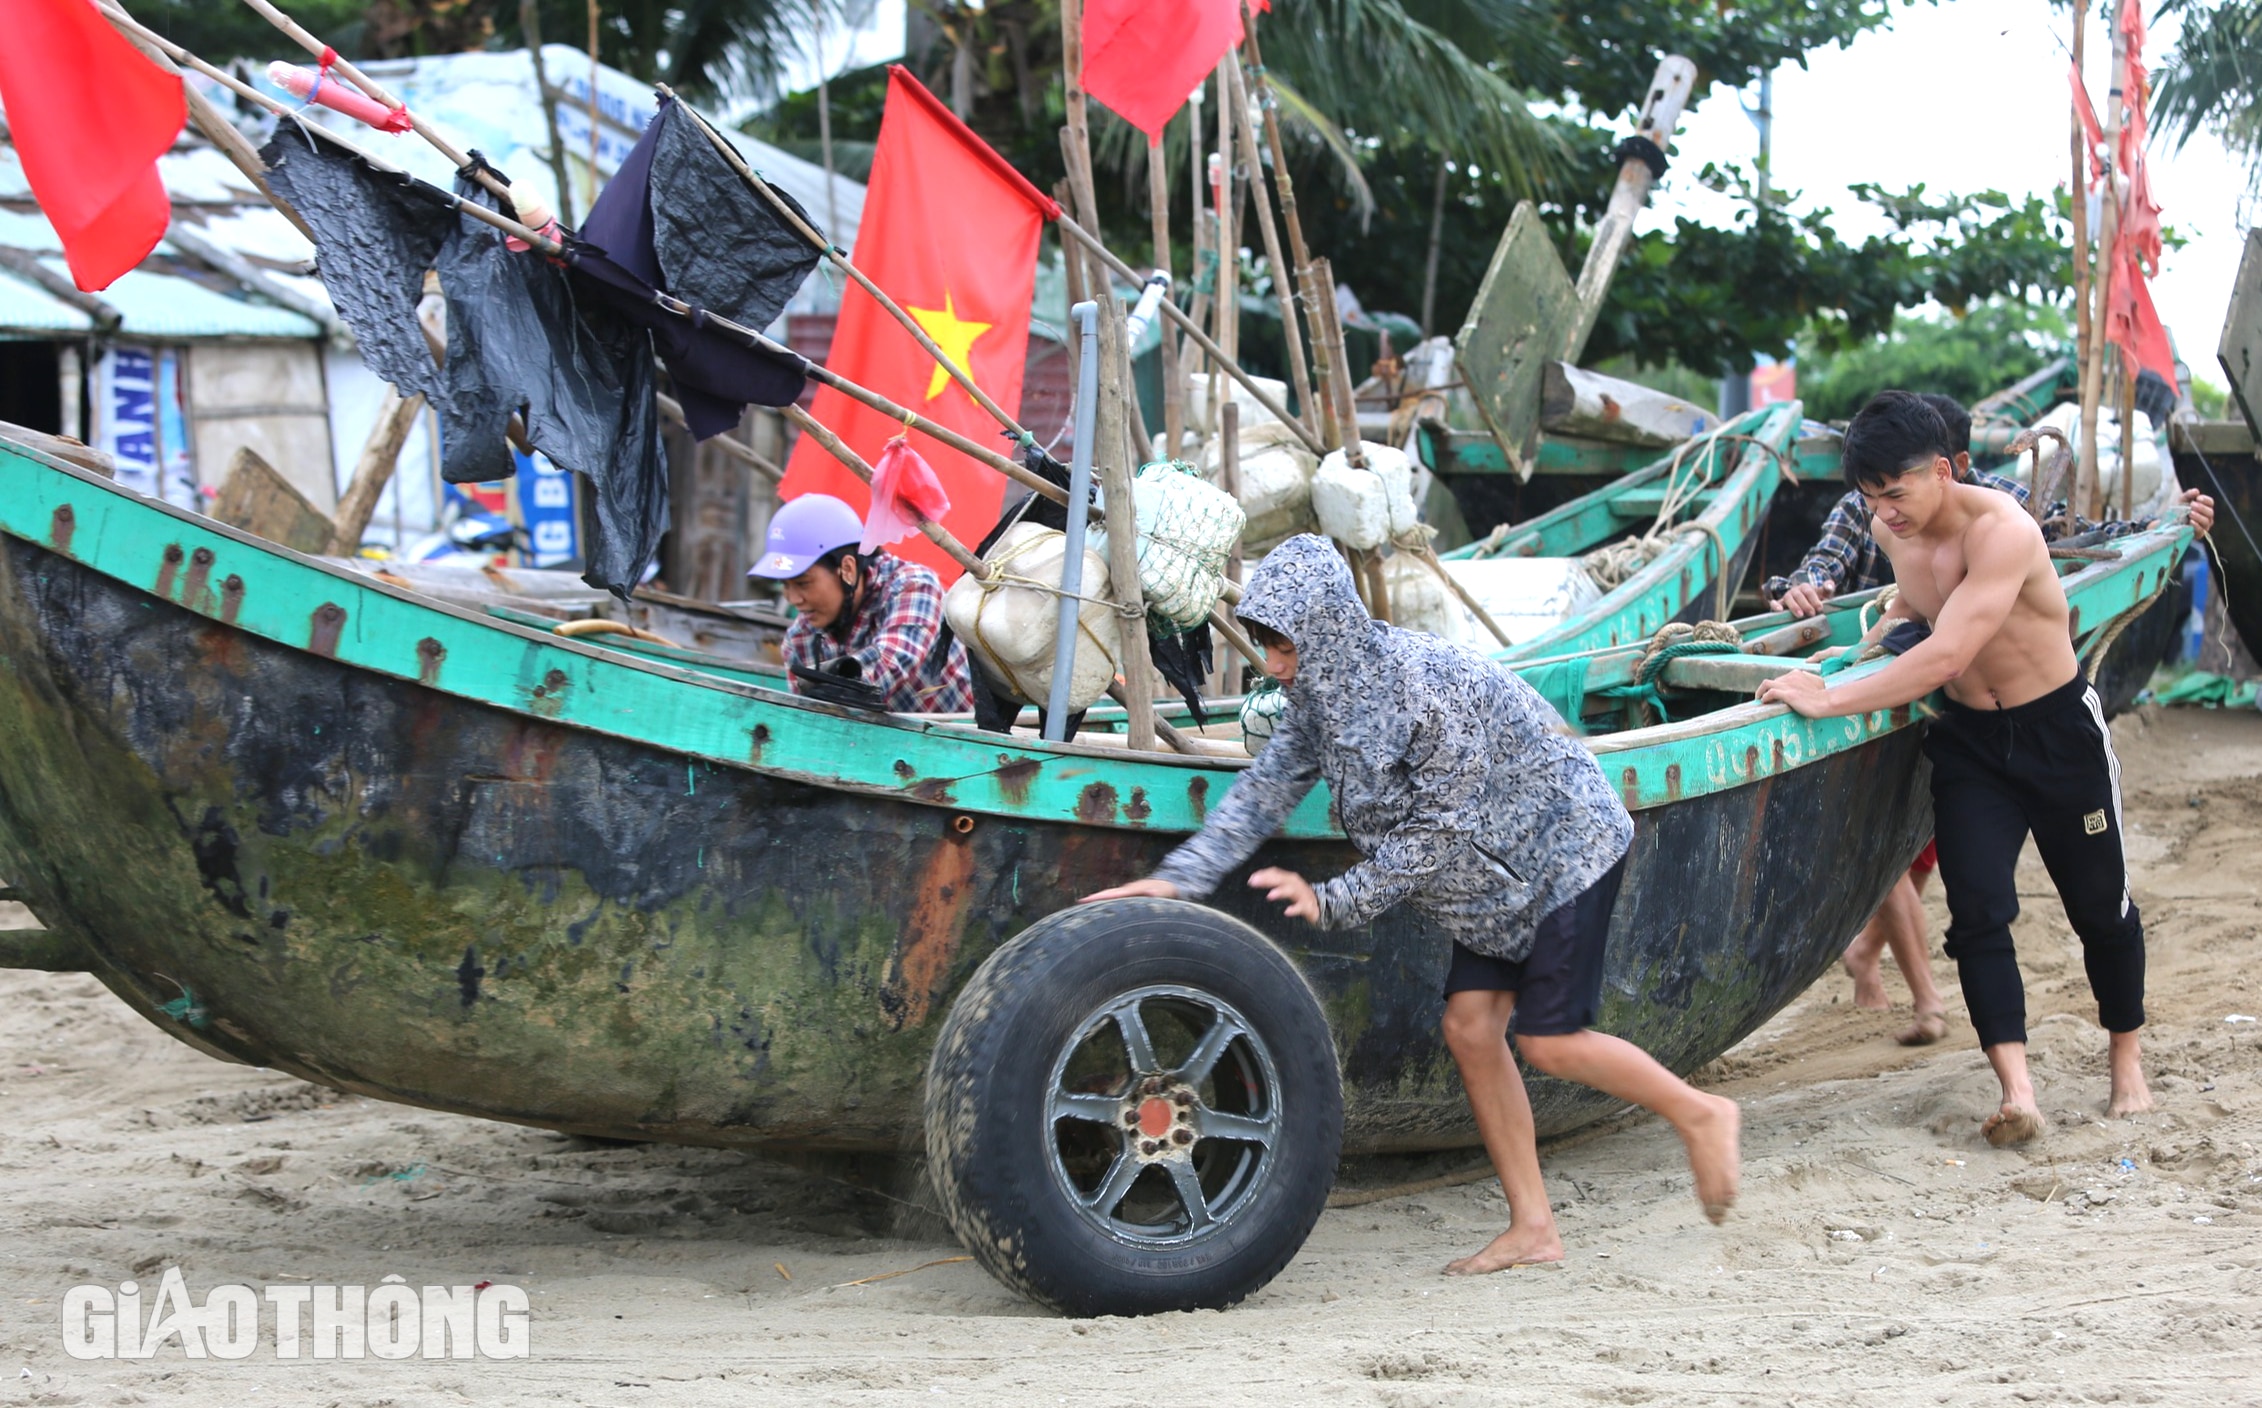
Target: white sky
[(1965, 96)]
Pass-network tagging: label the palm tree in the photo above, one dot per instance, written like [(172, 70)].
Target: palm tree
[(2213, 80)]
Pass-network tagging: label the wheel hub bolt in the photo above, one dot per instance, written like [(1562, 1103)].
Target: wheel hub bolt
[(1182, 1137), (1148, 1146)]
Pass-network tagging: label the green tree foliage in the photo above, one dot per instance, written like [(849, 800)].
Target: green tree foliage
[(1986, 349), (704, 47), (2212, 79), (1712, 298), (221, 32)]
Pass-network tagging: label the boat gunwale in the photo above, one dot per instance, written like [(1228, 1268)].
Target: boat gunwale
[(1163, 811)]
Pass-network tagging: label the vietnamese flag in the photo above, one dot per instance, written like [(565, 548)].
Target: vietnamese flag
[(1143, 57), (90, 116), (950, 231)]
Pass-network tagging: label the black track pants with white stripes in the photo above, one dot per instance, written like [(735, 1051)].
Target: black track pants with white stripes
[(2045, 767)]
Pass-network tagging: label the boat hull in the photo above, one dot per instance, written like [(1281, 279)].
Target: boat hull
[(389, 889)]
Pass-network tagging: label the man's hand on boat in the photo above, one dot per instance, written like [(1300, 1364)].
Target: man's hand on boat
[(1285, 886), (2199, 508), (1802, 691), (1803, 600)]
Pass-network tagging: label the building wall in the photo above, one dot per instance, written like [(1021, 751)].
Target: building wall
[(270, 397)]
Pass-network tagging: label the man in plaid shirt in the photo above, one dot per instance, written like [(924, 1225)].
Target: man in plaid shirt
[(874, 608), (1847, 559)]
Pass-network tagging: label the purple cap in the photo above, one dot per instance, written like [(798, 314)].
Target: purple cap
[(804, 530)]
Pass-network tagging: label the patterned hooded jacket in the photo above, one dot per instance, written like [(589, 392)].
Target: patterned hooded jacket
[(1447, 772)]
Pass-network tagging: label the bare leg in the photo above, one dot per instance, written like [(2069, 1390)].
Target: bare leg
[(2020, 1118), (1476, 1032), (1708, 1124), (1902, 915), (1861, 956), (2131, 1096)]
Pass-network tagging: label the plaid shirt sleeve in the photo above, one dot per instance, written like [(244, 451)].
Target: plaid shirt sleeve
[(895, 652), (1834, 564)]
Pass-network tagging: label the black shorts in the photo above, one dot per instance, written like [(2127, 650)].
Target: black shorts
[(1558, 985)]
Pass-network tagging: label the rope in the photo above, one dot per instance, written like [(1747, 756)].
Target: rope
[(1613, 565), (2101, 640), (995, 577), (1675, 640), (1415, 542)]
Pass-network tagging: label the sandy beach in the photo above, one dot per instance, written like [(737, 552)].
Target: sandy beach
[(1881, 1248)]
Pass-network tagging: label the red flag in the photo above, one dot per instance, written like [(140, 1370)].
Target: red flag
[(950, 231), (1142, 57), (2088, 116), (905, 489), (90, 117)]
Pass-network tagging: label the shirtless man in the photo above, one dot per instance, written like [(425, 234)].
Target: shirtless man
[(2022, 745)]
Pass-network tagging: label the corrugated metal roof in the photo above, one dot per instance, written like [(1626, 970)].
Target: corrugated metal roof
[(166, 308), (28, 311)]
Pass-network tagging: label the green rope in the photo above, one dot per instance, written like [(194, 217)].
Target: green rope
[(1643, 694)]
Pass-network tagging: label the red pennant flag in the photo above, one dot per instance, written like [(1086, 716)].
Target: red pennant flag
[(950, 231), (1142, 57), (90, 117)]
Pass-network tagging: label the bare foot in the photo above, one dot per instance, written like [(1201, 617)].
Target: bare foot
[(1514, 1247), (2013, 1124), (1869, 980), (2131, 1096), (1715, 1156), (1928, 1028)]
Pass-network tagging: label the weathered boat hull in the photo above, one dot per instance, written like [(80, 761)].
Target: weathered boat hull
[(2220, 459), (373, 884)]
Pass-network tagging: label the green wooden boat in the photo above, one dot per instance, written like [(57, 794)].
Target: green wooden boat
[(299, 817)]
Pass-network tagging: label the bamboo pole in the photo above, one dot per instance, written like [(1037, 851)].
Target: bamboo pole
[(374, 470), (215, 128), (1269, 106), (1072, 267), (377, 92), (1224, 191), (1173, 385), (1323, 362), (2128, 437), (2079, 141), (1436, 240), (1111, 456), (1075, 132), (244, 90), (672, 410), (1200, 339), (1189, 360), (1283, 287), (2085, 499)]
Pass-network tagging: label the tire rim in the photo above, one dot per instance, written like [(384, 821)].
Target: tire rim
[(1163, 1116)]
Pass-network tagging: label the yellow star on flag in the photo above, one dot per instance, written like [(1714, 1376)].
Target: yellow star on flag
[(953, 334)]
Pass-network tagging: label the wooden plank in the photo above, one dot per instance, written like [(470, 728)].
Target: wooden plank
[(1730, 674), (1573, 401), (2210, 437), (258, 499), (2240, 350), (1515, 326)]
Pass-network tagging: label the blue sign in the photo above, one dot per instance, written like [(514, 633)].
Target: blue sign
[(546, 497)]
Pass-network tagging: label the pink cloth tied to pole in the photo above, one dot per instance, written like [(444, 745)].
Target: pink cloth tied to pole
[(905, 491), (321, 88)]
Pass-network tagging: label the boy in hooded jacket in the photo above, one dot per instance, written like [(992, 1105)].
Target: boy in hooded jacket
[(1454, 780)]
